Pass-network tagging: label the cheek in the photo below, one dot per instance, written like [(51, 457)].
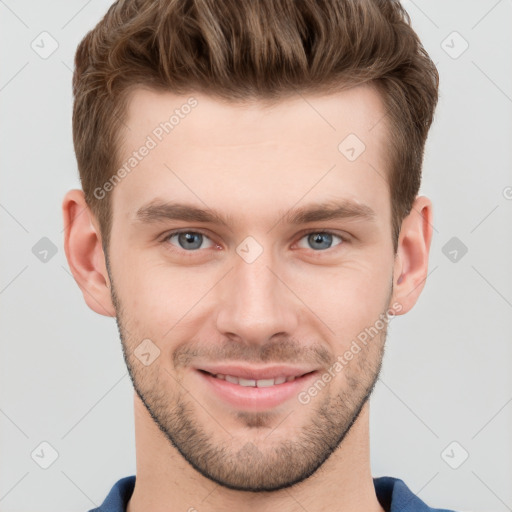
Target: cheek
[(157, 297), (347, 299)]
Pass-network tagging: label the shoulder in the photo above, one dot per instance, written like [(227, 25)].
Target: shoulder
[(118, 496), (394, 496)]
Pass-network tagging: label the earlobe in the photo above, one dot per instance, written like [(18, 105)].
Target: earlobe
[(84, 252), (411, 261)]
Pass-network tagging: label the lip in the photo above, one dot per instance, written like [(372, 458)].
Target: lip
[(256, 373), (254, 398)]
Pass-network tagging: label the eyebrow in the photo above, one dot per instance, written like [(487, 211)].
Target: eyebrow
[(158, 211)]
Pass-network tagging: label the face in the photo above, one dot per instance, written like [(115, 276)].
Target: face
[(271, 287)]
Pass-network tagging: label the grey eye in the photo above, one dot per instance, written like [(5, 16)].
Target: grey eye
[(320, 240), (189, 240)]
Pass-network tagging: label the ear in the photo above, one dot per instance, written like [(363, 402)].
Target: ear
[(84, 252), (411, 260)]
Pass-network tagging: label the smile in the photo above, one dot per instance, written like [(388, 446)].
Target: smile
[(260, 383), (253, 394)]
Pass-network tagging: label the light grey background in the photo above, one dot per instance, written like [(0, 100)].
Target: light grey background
[(447, 372)]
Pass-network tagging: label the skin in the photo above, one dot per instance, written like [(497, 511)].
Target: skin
[(296, 303)]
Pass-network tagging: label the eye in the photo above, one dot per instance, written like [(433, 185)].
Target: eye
[(188, 240), (192, 241), (319, 240)]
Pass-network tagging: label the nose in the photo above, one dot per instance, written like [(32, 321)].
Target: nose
[(255, 302)]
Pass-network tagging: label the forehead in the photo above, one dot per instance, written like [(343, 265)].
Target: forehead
[(236, 156), (359, 109)]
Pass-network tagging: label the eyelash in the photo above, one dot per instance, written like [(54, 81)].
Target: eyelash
[(165, 240)]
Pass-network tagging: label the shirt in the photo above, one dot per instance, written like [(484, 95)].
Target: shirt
[(392, 493)]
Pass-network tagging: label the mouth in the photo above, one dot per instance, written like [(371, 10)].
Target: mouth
[(259, 383), (254, 394)]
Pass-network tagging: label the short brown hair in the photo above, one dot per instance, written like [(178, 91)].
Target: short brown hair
[(251, 50)]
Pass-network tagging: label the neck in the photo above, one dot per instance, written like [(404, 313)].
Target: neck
[(166, 482)]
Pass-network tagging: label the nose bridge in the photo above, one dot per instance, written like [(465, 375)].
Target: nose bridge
[(254, 303)]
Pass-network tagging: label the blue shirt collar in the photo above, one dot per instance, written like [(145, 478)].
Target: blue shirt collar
[(392, 493)]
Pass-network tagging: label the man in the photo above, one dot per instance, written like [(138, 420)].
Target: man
[(250, 216)]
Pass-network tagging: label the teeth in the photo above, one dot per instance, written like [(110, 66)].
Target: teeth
[(246, 382), (261, 383), (265, 383)]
